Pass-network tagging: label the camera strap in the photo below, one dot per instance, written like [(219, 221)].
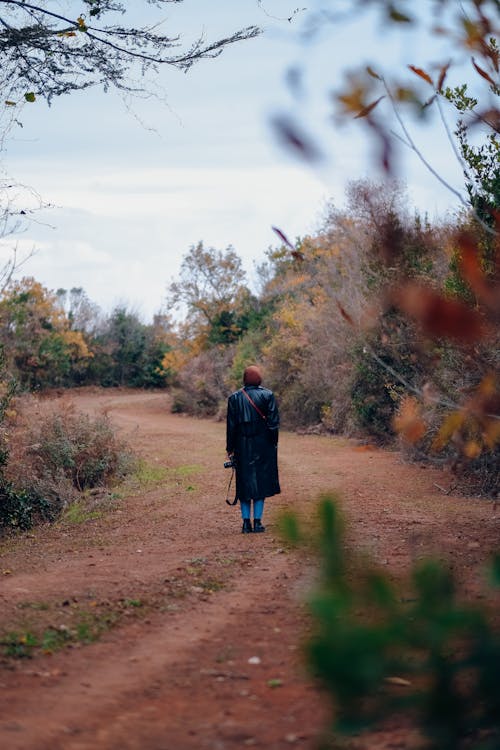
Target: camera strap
[(254, 404), (228, 501)]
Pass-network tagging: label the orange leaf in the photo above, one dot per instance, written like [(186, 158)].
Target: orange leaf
[(491, 117), (472, 449), (438, 316), (483, 73), (408, 422), (472, 272), (422, 74), (366, 110)]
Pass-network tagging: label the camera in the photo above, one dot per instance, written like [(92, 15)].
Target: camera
[(229, 464)]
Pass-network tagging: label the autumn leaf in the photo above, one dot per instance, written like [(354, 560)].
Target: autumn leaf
[(449, 427), (483, 73), (293, 137), (490, 117), (366, 110), (353, 100), (472, 272), (408, 421), (438, 316), (472, 449), (422, 74), (398, 17), (283, 237), (442, 76), (372, 73)]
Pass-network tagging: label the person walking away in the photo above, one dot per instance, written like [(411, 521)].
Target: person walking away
[(252, 443)]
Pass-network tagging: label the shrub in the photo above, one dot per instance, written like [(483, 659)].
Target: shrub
[(203, 383), (20, 509), (83, 448), (55, 453)]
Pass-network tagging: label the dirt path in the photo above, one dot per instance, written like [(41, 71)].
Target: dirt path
[(200, 626)]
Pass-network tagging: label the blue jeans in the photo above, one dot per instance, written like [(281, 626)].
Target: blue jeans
[(258, 508)]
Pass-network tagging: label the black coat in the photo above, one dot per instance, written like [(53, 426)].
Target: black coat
[(254, 442)]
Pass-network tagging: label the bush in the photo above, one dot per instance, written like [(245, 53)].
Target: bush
[(20, 509), (83, 448), (55, 453), (203, 383)]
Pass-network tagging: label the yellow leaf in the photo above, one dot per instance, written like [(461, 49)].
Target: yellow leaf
[(353, 100), (472, 449), (451, 424)]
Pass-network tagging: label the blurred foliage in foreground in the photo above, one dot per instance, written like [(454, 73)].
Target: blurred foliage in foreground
[(424, 656)]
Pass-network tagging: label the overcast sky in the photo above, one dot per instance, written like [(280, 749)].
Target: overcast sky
[(132, 190)]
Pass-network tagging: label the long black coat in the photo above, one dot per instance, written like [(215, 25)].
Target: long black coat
[(254, 442)]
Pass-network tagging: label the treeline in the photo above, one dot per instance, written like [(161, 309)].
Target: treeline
[(368, 327), (381, 324), (62, 339)]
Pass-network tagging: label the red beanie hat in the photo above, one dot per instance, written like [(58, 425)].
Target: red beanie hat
[(252, 376)]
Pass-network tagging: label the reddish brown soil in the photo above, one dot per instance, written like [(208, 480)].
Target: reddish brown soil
[(193, 600)]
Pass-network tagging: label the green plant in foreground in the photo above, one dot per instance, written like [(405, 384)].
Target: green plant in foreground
[(380, 654)]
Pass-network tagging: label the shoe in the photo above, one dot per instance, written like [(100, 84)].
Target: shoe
[(247, 526), (257, 526)]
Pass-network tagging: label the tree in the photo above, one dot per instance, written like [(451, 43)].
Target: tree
[(211, 289), (45, 52), (83, 314), (128, 352), (39, 346)]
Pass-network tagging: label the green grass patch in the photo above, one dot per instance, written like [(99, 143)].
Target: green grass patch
[(186, 470), (75, 624), (148, 474), (77, 513)]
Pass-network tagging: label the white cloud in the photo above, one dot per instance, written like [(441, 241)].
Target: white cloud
[(122, 235)]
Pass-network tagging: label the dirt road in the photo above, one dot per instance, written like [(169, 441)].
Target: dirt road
[(188, 631)]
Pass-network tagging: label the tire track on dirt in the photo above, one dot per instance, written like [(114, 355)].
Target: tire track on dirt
[(181, 680), (102, 684)]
